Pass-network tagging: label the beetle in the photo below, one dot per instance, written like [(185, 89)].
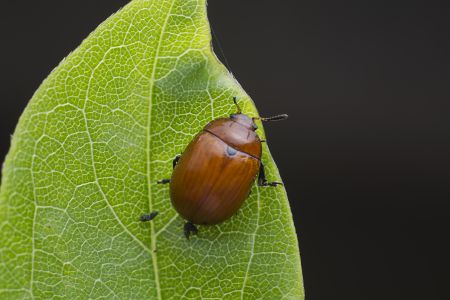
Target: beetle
[(215, 173)]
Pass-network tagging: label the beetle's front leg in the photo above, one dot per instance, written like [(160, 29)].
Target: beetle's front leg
[(262, 181), (174, 163)]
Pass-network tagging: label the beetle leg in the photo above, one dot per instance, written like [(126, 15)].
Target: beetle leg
[(262, 181), (174, 163), (175, 160), (149, 217), (189, 228)]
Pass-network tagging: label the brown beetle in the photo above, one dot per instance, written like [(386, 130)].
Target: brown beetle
[(214, 175)]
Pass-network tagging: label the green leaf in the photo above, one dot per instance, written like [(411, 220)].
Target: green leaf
[(97, 135)]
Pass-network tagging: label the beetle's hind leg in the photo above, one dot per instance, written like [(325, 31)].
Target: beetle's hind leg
[(149, 217), (189, 228), (262, 181)]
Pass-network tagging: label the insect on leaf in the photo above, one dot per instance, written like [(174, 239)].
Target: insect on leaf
[(85, 159)]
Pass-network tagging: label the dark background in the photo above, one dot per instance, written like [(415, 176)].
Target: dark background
[(365, 153)]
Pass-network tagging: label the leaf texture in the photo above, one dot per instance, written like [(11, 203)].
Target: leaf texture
[(85, 157)]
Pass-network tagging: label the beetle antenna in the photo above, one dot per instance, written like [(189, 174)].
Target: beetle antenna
[(273, 118), (237, 105)]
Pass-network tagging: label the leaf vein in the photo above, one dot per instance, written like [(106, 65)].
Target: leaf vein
[(252, 251), (150, 204), (94, 168)]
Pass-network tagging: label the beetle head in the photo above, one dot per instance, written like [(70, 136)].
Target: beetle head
[(244, 120), (248, 122), (241, 118)]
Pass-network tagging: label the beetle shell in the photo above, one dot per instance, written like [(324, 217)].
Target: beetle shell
[(215, 173)]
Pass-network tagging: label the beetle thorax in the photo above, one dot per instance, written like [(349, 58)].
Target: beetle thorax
[(237, 132)]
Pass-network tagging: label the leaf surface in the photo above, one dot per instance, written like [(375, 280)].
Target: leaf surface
[(85, 157)]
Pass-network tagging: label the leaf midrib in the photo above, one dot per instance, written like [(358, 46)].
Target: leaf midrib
[(149, 118)]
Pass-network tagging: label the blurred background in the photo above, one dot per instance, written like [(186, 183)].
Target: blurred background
[(365, 153)]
